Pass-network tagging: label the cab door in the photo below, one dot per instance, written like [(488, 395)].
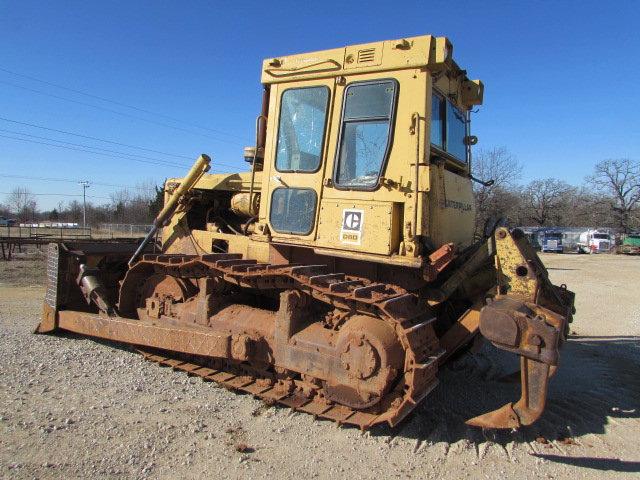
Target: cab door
[(296, 159)]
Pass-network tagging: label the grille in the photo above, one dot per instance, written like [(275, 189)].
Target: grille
[(366, 55), (53, 256)]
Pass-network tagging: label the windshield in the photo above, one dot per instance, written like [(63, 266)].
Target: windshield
[(553, 235), (601, 236)]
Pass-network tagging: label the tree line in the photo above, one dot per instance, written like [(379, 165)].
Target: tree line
[(608, 197), (137, 205)]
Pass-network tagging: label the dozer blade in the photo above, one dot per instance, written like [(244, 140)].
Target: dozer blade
[(189, 339), (83, 276), (528, 316)]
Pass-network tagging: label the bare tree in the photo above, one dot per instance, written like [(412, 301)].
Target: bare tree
[(619, 179), (500, 166), (544, 201), (586, 208), (22, 203), (122, 196), (146, 190), (135, 206), (74, 211), (120, 199)]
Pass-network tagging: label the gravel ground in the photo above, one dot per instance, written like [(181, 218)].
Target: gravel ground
[(76, 408)]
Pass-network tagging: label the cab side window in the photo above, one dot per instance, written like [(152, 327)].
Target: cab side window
[(449, 127), (367, 122)]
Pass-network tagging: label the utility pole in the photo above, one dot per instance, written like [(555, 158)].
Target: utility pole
[(85, 184)]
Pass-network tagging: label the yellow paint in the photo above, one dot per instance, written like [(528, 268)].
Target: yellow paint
[(419, 197)]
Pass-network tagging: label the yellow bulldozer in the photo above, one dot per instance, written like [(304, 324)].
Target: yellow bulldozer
[(340, 271)]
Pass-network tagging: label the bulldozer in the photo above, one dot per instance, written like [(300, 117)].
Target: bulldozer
[(341, 270)]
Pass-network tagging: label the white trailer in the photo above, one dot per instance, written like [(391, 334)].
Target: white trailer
[(595, 241)]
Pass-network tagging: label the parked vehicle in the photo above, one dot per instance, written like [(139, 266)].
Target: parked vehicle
[(336, 285), (7, 222), (532, 237), (594, 241), (552, 241), (631, 244)]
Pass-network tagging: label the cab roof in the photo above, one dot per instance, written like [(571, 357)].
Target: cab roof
[(413, 52), (426, 51)]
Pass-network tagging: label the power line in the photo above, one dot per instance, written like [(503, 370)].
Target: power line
[(165, 162), (115, 102), (60, 195), (116, 112), (94, 138), (66, 180), (100, 153), (101, 140), (92, 152), (161, 163)]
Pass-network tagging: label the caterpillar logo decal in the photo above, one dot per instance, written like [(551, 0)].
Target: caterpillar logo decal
[(351, 231), (463, 206)]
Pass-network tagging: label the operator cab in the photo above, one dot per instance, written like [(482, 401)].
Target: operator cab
[(367, 150)]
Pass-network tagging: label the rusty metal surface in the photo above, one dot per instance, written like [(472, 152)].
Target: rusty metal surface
[(273, 391), (63, 270), (522, 328), (376, 359), (177, 337), (438, 261), (461, 332), (529, 316), (534, 381), (338, 346)]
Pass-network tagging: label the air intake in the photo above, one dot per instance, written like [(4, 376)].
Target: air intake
[(366, 55)]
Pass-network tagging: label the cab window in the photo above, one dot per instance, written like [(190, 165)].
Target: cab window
[(303, 116), (367, 122), (448, 127), (293, 210)]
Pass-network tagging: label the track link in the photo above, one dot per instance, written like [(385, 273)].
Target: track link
[(411, 320)]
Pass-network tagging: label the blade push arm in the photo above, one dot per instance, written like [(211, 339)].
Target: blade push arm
[(199, 168)]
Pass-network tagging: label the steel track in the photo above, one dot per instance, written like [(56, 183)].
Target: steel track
[(411, 321)]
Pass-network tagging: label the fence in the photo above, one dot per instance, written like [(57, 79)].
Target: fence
[(36, 231), (66, 232), (120, 230)]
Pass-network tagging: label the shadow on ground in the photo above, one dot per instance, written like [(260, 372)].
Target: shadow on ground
[(613, 464), (597, 380)]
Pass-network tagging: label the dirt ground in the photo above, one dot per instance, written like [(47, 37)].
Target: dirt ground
[(76, 408)]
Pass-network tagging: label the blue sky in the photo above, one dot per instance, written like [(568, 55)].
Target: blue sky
[(561, 79)]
